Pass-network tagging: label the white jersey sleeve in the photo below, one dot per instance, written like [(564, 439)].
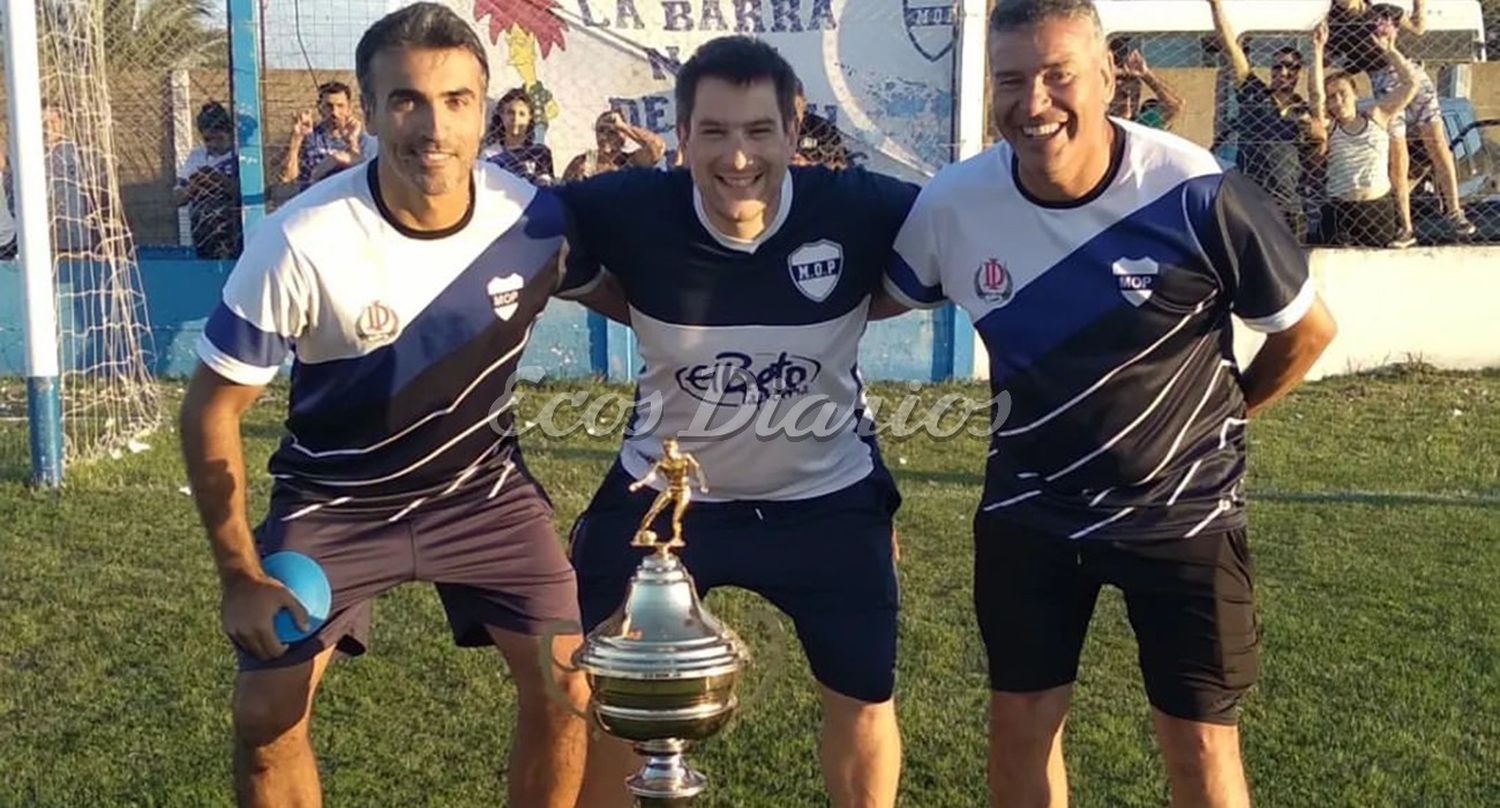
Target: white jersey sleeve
[(914, 276), (266, 304)]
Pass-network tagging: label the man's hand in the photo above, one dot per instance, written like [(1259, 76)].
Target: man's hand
[(247, 609), (1320, 37), (353, 133), (302, 125), (1135, 64)]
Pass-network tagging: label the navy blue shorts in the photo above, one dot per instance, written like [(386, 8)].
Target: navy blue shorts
[(825, 562), (494, 560)]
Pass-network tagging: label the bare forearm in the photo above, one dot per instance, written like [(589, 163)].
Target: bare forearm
[(1285, 357), (1171, 102), (214, 455), (651, 147), (1237, 60), (1406, 85), (1417, 21), (293, 163)]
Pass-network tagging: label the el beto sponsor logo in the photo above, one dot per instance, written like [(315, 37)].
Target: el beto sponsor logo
[(736, 379)]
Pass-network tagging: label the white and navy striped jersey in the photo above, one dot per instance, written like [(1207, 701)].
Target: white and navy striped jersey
[(1107, 321), (404, 342), (749, 349)]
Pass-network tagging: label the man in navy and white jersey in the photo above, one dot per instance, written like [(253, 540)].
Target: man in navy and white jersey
[(749, 286), (1105, 303), (405, 289)]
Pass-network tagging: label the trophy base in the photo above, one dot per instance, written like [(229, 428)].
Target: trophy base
[(666, 781)]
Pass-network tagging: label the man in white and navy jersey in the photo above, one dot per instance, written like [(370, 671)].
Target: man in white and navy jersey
[(1101, 261), (749, 286), (404, 290)]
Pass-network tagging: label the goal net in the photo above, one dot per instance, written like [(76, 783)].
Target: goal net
[(109, 399)]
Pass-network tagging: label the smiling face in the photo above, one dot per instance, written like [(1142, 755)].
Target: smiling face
[(427, 108), (737, 146), (1052, 85)]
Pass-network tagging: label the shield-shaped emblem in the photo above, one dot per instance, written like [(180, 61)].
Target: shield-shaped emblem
[(815, 268), (1136, 276), (505, 295), (929, 25)]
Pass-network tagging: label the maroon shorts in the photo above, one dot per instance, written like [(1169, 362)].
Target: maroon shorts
[(494, 561)]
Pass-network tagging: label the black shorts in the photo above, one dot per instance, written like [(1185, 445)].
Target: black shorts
[(495, 561), (826, 562), (1370, 223), (1189, 601)]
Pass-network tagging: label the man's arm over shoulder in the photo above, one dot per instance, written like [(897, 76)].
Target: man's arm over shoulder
[(914, 277), (600, 215), (1264, 272)]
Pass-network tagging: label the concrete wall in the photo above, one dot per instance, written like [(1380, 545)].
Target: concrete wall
[(1437, 305)]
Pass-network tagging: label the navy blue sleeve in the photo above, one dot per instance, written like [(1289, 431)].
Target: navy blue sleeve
[(592, 210), (889, 201), (1258, 261), (608, 216), (883, 205)]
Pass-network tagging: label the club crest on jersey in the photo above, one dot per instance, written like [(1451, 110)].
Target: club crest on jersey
[(993, 284), (505, 295), (1136, 277), (377, 323), (815, 268)]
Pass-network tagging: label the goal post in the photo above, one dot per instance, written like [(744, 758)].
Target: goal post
[(23, 77)]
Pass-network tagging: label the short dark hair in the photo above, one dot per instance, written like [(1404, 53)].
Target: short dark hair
[(426, 26), (334, 88), (1388, 11), (739, 60), (1289, 50), (1012, 14), (213, 117)]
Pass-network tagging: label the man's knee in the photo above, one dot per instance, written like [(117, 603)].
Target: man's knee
[(1189, 745), (857, 714), (1028, 719), (266, 708)]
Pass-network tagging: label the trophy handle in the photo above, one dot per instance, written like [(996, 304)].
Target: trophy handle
[(547, 660), (771, 663)]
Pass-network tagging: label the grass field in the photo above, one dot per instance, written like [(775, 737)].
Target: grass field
[(1375, 522)]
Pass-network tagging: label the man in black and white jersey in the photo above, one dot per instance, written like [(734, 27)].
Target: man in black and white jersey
[(405, 290), (1105, 304)]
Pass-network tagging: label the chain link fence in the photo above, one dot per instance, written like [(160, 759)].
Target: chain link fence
[(1368, 145), (878, 90)]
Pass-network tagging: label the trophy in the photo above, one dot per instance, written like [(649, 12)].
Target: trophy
[(662, 668)]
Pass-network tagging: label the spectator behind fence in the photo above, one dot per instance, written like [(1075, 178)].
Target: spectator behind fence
[(510, 139), (208, 183), (1131, 71), (1279, 136), (7, 219), (611, 130), (76, 211), (1361, 207), (329, 146), (819, 142), (1422, 115)]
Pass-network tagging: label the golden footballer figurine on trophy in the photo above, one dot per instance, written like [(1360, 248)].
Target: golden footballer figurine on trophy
[(674, 465)]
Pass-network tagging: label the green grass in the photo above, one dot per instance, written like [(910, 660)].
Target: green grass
[(1377, 540)]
